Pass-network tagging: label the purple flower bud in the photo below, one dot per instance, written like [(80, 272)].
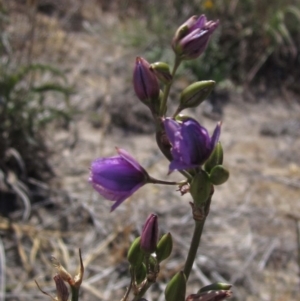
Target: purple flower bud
[(149, 235), (192, 37), (191, 143), (145, 83), (117, 178)]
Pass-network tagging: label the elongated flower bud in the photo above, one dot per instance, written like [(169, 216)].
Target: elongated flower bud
[(195, 94), (145, 83), (149, 234)]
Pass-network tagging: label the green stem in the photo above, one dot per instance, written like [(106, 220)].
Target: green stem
[(193, 247), (167, 88), (75, 293), (156, 181)]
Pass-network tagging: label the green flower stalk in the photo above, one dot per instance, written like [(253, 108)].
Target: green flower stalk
[(190, 149)]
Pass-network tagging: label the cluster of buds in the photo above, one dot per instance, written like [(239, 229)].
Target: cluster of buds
[(147, 252)]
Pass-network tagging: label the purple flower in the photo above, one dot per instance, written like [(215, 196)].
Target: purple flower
[(191, 143), (149, 235), (192, 37), (145, 83), (117, 178)]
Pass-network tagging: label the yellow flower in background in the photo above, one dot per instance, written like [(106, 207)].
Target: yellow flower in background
[(208, 4)]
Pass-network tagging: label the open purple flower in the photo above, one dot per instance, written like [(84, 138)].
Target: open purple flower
[(191, 143), (192, 37), (117, 178)]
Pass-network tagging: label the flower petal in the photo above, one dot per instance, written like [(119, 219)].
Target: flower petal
[(215, 137), (172, 129)]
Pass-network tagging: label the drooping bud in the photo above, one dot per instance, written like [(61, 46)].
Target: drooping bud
[(175, 290), (145, 83), (135, 255), (195, 94), (149, 234), (200, 188), (219, 175), (216, 158), (162, 72), (215, 286), (164, 247)]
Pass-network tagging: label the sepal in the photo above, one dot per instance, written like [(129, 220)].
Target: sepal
[(164, 247), (216, 158), (135, 255)]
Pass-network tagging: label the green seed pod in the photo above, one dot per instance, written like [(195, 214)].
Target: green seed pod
[(175, 290), (216, 158), (200, 188), (219, 175), (135, 255), (195, 94), (164, 247), (140, 273), (162, 72), (215, 287)]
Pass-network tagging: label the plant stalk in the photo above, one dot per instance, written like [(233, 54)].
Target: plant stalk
[(193, 247), (167, 88)]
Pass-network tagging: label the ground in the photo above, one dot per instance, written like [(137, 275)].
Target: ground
[(249, 239)]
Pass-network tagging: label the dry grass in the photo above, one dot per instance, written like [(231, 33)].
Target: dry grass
[(248, 241)]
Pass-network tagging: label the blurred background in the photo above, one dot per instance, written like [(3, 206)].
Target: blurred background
[(66, 97)]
